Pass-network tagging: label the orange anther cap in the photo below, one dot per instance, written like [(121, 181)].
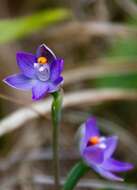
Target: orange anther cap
[(42, 60), (94, 140)]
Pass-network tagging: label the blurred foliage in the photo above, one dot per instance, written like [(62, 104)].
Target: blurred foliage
[(124, 81), (123, 49), (12, 29)]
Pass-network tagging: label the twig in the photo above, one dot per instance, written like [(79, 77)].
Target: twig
[(36, 155), (129, 6), (80, 31), (40, 179), (19, 102), (18, 118), (100, 68), (86, 183)]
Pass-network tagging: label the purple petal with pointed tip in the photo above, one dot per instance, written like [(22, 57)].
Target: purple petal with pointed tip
[(91, 128), (19, 81), (90, 131), (116, 166), (54, 86), (43, 50), (111, 143), (106, 174), (26, 62), (39, 90), (58, 81), (56, 69), (93, 155)]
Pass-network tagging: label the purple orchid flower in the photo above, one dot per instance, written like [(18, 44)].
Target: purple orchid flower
[(97, 152), (40, 73)]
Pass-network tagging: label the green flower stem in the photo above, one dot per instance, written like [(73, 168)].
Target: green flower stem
[(75, 174), (56, 116)]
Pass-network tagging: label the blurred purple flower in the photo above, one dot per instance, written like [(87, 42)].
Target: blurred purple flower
[(40, 73), (97, 152)]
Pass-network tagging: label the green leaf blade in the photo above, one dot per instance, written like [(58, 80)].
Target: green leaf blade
[(20, 27), (75, 174)]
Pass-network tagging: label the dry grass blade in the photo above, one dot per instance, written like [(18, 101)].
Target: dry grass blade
[(19, 102), (90, 97), (129, 6), (81, 31), (86, 183), (43, 180), (100, 68)]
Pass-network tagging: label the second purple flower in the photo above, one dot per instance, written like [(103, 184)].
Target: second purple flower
[(40, 73), (97, 152)]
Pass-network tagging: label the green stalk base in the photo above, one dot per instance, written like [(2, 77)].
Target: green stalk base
[(75, 174)]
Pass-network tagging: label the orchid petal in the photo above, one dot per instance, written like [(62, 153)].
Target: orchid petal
[(91, 129), (93, 155), (26, 62), (56, 69), (54, 86), (106, 174), (116, 166), (39, 90), (58, 81), (19, 81), (43, 50), (111, 144)]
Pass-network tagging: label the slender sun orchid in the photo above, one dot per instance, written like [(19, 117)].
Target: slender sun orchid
[(97, 152), (40, 73)]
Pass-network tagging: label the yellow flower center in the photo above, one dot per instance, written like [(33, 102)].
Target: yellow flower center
[(42, 60), (93, 140)]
